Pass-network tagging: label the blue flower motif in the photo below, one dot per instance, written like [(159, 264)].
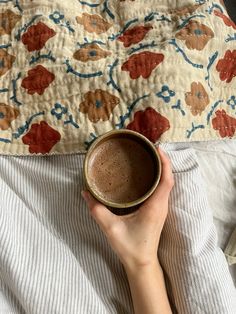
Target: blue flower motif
[(58, 111), (56, 16), (166, 94), (232, 102)]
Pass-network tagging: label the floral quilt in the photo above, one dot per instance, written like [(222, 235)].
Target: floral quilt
[(73, 70)]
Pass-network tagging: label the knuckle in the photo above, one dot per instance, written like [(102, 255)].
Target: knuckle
[(95, 211), (112, 231), (94, 208)]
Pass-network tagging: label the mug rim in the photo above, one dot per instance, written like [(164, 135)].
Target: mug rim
[(147, 194)]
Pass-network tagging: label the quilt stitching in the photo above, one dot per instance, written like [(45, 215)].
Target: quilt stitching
[(67, 75)]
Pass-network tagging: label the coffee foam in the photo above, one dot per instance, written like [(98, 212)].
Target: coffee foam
[(121, 170)]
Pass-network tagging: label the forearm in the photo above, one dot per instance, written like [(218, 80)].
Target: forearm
[(148, 290)]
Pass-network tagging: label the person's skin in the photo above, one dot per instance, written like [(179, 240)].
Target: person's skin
[(135, 239)]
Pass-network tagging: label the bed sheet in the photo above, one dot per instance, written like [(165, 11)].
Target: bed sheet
[(217, 162), (53, 256)]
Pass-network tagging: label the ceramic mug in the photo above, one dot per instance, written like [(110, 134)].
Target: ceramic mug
[(119, 162)]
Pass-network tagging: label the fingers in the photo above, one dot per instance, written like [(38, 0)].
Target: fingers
[(166, 182), (104, 218)]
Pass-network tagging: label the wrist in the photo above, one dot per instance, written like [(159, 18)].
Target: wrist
[(146, 269)]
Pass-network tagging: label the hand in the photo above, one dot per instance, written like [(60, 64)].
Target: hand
[(135, 237)]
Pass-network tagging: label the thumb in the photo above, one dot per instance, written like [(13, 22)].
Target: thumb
[(103, 216), (166, 183), (163, 189)]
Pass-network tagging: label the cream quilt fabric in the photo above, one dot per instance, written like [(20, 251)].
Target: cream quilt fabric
[(73, 70)]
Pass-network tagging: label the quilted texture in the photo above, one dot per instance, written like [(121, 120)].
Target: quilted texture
[(70, 71)]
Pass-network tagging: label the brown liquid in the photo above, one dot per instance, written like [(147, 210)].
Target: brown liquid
[(121, 170)]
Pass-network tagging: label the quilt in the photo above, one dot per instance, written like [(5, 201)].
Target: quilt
[(72, 70)]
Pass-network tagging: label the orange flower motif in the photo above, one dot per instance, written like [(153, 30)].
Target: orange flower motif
[(134, 35), (225, 124), (195, 35), (91, 52), (185, 10), (36, 36), (6, 61), (197, 99), (7, 115), (93, 23), (142, 64), (150, 123), (41, 138), (38, 79), (99, 105), (226, 19), (8, 20), (227, 66)]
